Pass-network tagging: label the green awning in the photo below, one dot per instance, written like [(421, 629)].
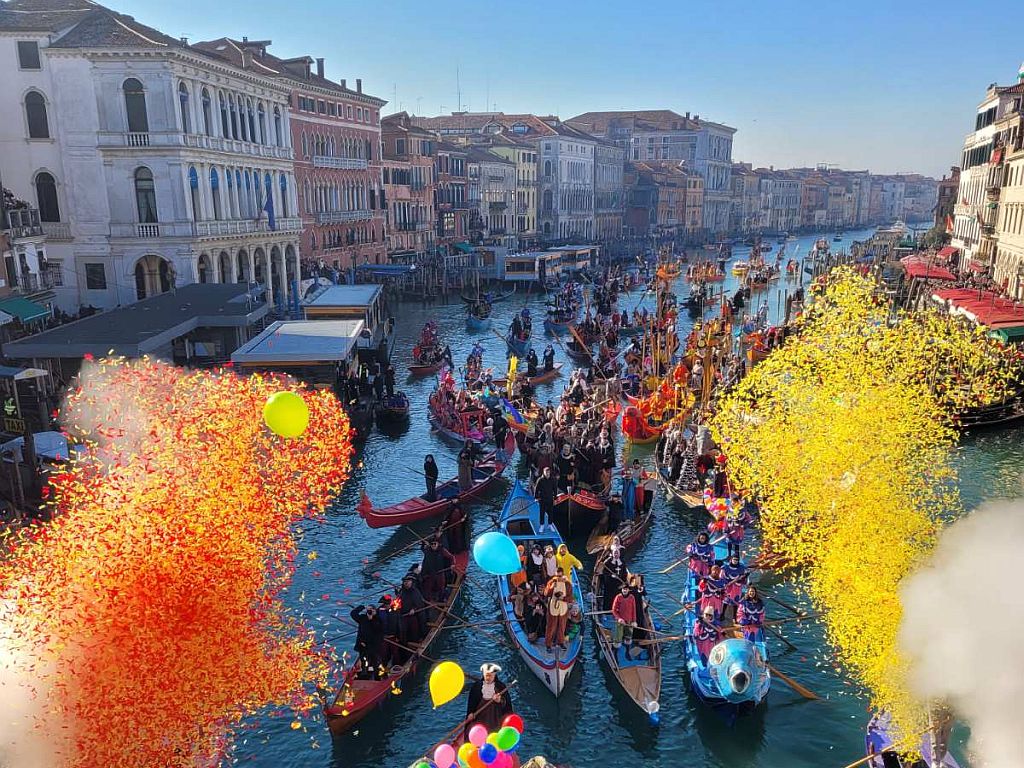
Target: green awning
[(464, 247), (1010, 334), (23, 309)]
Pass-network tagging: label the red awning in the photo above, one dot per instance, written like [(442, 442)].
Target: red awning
[(985, 307), (918, 266), (948, 251), (978, 267)]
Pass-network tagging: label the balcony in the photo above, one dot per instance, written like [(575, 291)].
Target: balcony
[(235, 146), (57, 231), (23, 223), (137, 231), (245, 227), (344, 163), (337, 217)]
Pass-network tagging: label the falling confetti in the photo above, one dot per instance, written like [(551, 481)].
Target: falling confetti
[(151, 606)]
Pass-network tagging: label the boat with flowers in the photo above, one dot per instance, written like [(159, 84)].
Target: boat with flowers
[(455, 414), (428, 354)]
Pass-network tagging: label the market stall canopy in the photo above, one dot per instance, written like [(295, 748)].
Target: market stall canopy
[(23, 309), (49, 445), (948, 251), (20, 374), (919, 266), (983, 307)]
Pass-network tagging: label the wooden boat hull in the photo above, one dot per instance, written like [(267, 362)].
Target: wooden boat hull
[(579, 511), (639, 678), (450, 434), (692, 499), (424, 370), (580, 358), (357, 698), (520, 520), (519, 346), (397, 411), (553, 326), (630, 532), (541, 378), (485, 475)]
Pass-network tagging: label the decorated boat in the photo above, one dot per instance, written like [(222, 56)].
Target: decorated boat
[(740, 268), (541, 378), (361, 692), (393, 407), (520, 520), (734, 678), (428, 354), (878, 743), (454, 415), (637, 429), (485, 474), (630, 532), (580, 509), (691, 497), (636, 667)]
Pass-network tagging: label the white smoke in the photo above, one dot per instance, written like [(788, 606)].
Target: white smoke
[(963, 629)]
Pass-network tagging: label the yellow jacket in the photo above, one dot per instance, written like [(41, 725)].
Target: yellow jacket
[(567, 562)]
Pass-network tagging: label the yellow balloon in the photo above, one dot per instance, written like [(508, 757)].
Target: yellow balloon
[(446, 682), (286, 413)]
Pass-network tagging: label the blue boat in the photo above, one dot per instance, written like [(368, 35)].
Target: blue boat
[(554, 325), (475, 323), (735, 678), (520, 520), (878, 742), (519, 347)]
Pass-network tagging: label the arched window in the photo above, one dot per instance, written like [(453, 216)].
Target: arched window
[(207, 116), (215, 193), (261, 116), (248, 195), (35, 112), (547, 167), (135, 106), (193, 185), (284, 195), (234, 116), (225, 128), (252, 121), (305, 146), (278, 138), (243, 129), (186, 111), (46, 197), (145, 196)]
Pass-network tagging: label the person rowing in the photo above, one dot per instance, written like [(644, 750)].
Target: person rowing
[(706, 632), (489, 701), (750, 614), (702, 555), (712, 589), (735, 574)]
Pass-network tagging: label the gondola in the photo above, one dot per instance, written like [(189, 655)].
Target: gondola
[(520, 520), (425, 369), (580, 510), (541, 378), (519, 346), (358, 695), (639, 673), (499, 297), (692, 499), (878, 744), (735, 677), (393, 408), (630, 532), (478, 317), (554, 325), (360, 416), (578, 356), (485, 474), (468, 430)]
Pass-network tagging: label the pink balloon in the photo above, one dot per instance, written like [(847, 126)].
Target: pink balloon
[(503, 760), (478, 735), (444, 756)]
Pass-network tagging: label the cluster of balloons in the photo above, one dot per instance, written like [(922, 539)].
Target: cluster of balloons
[(286, 413), (446, 682), (496, 553), (483, 750)]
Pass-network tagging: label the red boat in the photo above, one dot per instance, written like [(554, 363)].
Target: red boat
[(360, 693), (418, 508)]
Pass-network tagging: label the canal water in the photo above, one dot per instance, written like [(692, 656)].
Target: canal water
[(592, 723)]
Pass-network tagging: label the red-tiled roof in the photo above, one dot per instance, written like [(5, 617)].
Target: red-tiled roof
[(649, 119)]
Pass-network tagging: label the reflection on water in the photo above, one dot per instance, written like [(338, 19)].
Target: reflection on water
[(592, 723)]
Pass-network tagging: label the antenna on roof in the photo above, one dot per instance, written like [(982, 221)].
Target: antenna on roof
[(458, 89)]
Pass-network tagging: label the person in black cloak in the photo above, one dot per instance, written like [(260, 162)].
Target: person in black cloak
[(489, 701)]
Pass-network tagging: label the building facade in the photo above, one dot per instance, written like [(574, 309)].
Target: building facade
[(155, 163), (1008, 160), (947, 188), (713, 162), (494, 198), (780, 201), (566, 184), (524, 155), (609, 163), (664, 201), (746, 199), (408, 184), (451, 194)]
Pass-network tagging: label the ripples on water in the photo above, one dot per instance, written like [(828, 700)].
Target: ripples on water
[(592, 723)]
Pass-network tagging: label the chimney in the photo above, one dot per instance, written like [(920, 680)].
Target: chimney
[(319, 67), (687, 115), (343, 83), (184, 41), (359, 85), (245, 39)]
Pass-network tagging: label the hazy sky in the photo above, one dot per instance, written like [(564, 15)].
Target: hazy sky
[(888, 86)]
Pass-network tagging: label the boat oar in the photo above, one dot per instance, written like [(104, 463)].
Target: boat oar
[(785, 605), (908, 744), (781, 637), (682, 560), (805, 692)]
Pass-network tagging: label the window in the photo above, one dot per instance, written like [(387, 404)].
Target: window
[(215, 193), (400, 146), (234, 116), (252, 121), (261, 118), (193, 184), (135, 106), (321, 106), (145, 196), (277, 127), (186, 113), (96, 277), (284, 196), (225, 132), (55, 273), (28, 54), (46, 197), (35, 112), (207, 123)]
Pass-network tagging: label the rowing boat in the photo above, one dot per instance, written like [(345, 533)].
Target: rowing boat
[(470, 433), (637, 429), (475, 323), (485, 473), (519, 346), (425, 369), (393, 408), (734, 678), (358, 696), (540, 378), (558, 326), (579, 505), (520, 520), (630, 532), (693, 499), (492, 299), (878, 743), (578, 356), (640, 677)]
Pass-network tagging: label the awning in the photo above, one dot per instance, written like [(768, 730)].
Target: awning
[(5, 318), (464, 247), (1008, 334), (917, 266), (978, 267), (20, 374), (948, 251), (23, 309)]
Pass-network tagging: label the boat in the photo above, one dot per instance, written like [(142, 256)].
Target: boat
[(577, 355), (359, 696), (838, 238), (427, 355), (740, 268), (636, 428), (540, 378), (580, 509), (559, 322), (735, 677), (485, 474), (360, 416), (425, 369), (520, 520), (393, 408), (693, 499), (468, 427), (878, 745), (478, 317), (630, 532), (639, 677), (500, 297)]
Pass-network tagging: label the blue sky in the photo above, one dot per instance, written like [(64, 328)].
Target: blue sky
[(889, 86)]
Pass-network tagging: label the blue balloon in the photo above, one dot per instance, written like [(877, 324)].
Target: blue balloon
[(488, 753), (496, 553)]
